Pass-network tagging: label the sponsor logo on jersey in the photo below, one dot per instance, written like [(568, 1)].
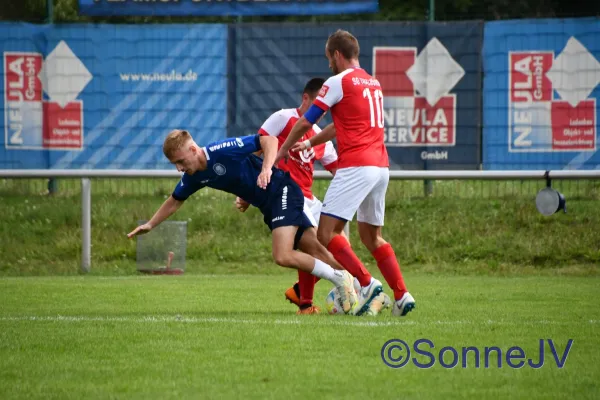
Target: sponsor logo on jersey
[(307, 155), (224, 145), (323, 91)]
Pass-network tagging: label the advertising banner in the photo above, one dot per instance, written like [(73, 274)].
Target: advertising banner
[(224, 7), (105, 96), (430, 74), (541, 94)]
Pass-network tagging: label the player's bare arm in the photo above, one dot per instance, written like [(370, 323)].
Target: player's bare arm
[(300, 128), (269, 148), (327, 134), (168, 208)]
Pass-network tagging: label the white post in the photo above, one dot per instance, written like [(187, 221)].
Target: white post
[(86, 224)]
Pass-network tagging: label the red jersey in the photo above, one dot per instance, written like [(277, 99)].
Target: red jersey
[(356, 102), (299, 165)]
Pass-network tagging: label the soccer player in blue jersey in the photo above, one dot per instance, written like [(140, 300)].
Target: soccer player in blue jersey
[(230, 165)]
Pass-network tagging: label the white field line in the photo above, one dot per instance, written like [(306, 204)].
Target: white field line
[(330, 321)]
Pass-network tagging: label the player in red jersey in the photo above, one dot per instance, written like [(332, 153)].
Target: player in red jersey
[(301, 167), (355, 99)]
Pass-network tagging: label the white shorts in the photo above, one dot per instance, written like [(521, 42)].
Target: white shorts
[(312, 209), (359, 189)]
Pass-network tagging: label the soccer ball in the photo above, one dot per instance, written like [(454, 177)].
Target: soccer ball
[(333, 304)]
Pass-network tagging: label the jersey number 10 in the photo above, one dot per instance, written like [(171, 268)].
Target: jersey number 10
[(378, 97)]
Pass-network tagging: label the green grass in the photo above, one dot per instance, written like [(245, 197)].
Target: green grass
[(233, 336), (463, 234)]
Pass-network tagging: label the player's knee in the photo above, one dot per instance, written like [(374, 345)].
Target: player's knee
[(283, 259), (372, 243), (371, 240)]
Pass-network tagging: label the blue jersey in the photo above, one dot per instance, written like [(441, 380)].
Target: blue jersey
[(232, 168)]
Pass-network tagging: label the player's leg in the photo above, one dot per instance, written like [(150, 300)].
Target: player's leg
[(370, 221), (285, 256), (287, 220), (302, 292), (347, 191), (310, 245)]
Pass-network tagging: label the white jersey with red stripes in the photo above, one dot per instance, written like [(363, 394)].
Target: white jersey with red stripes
[(299, 165), (356, 102)]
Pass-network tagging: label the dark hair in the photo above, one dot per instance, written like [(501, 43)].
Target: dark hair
[(345, 43), (313, 86)]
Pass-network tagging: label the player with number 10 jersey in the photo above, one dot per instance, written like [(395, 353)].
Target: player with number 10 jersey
[(356, 102), (355, 99)]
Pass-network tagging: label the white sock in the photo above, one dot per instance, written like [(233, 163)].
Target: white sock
[(324, 271)]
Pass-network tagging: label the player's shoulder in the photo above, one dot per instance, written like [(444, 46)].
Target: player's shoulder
[(281, 117), (232, 144), (337, 79), (286, 113), (277, 122)]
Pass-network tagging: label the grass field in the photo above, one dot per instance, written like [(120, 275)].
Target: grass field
[(485, 268), (233, 336)]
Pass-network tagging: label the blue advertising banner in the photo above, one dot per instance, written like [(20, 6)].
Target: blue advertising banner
[(105, 96), (430, 74), (541, 94), (225, 8)]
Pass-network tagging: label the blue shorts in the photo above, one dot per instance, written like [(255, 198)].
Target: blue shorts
[(287, 209)]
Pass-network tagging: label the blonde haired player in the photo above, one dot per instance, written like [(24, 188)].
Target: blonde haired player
[(230, 165), (300, 165)]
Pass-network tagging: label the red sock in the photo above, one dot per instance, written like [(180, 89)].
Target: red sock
[(342, 252), (306, 283), (389, 267)]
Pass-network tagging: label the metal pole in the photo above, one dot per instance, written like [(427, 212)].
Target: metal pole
[(431, 10), (52, 182), (320, 174), (50, 11), (427, 184), (86, 224)]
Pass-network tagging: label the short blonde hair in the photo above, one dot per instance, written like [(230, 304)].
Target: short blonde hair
[(175, 140)]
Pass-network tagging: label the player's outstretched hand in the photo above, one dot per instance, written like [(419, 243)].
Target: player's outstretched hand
[(298, 147), (241, 204), (140, 230), (280, 156), (264, 178)]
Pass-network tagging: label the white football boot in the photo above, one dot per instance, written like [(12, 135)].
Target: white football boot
[(366, 295), (347, 293), (403, 306)]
